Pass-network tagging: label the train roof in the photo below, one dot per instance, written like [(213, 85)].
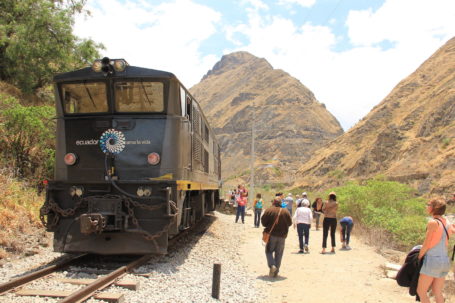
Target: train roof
[(129, 72)]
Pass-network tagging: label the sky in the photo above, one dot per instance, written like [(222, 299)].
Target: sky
[(349, 53)]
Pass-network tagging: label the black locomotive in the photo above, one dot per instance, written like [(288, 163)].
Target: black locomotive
[(136, 161)]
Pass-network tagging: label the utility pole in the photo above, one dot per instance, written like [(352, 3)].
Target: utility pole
[(253, 121)]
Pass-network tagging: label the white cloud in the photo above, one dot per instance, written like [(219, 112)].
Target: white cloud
[(165, 36), (351, 82), (304, 3), (256, 4)]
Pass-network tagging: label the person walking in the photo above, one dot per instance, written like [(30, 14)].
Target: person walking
[(330, 222), (276, 221), (241, 205), (436, 263), (289, 203), (258, 204), (345, 232), (317, 210), (302, 220)]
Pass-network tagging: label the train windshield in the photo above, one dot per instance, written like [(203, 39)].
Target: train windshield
[(139, 96), (87, 97)]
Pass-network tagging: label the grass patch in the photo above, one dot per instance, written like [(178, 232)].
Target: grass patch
[(19, 214)]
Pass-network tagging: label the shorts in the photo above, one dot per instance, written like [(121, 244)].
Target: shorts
[(435, 266)]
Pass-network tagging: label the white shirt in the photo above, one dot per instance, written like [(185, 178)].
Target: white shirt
[(303, 215)]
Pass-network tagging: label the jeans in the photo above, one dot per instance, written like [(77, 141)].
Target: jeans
[(317, 217), (346, 231), (328, 223), (275, 246), (240, 212), (303, 230), (257, 217)]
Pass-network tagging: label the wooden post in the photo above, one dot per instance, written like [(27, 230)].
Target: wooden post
[(216, 280)]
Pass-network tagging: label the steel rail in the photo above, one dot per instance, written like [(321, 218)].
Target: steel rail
[(103, 282), (36, 275)]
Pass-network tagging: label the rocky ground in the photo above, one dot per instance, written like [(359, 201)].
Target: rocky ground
[(185, 275)]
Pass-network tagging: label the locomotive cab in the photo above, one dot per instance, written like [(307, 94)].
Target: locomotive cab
[(136, 161)]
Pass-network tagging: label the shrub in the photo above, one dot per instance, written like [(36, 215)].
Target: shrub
[(27, 138), (385, 205)]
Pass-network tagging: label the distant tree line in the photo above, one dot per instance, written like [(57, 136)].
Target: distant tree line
[(36, 41)]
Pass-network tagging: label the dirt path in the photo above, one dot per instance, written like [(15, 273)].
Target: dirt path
[(353, 276)]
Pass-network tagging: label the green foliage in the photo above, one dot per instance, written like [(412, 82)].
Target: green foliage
[(338, 174), (36, 41), (385, 205), (27, 138), (446, 142)]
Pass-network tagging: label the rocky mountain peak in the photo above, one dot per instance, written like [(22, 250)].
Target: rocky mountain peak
[(234, 60), (242, 92)]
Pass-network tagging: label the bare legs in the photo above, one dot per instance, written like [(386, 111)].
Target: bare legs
[(436, 284)]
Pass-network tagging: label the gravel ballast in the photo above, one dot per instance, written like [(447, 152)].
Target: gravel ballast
[(185, 275)]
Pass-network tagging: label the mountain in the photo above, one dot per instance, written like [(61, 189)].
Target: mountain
[(289, 122), (409, 137)]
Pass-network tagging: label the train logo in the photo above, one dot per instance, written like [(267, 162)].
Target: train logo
[(112, 141)]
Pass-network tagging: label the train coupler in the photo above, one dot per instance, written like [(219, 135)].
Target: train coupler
[(92, 223)]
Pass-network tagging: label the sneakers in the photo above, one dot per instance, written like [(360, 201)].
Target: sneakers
[(343, 246), (273, 271), (301, 251), (306, 249), (348, 247)]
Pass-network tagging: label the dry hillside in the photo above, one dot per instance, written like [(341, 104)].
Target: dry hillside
[(290, 123), (408, 137)]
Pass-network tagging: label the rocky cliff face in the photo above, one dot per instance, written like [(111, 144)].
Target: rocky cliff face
[(289, 122), (408, 137)]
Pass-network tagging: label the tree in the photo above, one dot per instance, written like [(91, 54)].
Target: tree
[(36, 41)]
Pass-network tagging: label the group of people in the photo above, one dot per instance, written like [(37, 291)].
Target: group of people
[(280, 216), (434, 263)]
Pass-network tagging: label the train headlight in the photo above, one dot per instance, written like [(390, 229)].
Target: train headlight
[(70, 159), (119, 65), (147, 191), (153, 158), (97, 65), (76, 191), (144, 191)]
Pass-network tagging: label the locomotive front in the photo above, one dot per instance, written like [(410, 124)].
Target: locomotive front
[(121, 145)]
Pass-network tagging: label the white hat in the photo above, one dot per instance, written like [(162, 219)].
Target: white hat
[(289, 195), (303, 194)]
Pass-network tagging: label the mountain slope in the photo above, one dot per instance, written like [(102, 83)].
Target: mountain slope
[(408, 137), (289, 122)]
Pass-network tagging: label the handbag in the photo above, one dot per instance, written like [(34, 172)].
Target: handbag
[(266, 235)]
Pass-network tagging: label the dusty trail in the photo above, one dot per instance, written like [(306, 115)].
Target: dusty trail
[(353, 276)]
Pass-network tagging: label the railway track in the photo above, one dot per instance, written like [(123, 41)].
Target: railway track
[(91, 287)]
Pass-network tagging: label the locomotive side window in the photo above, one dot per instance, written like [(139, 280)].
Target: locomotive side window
[(139, 96), (87, 97), (183, 101)]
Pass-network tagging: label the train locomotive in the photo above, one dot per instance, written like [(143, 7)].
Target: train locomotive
[(136, 162)]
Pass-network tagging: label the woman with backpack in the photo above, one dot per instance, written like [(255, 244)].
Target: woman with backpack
[(258, 205), (436, 263)]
